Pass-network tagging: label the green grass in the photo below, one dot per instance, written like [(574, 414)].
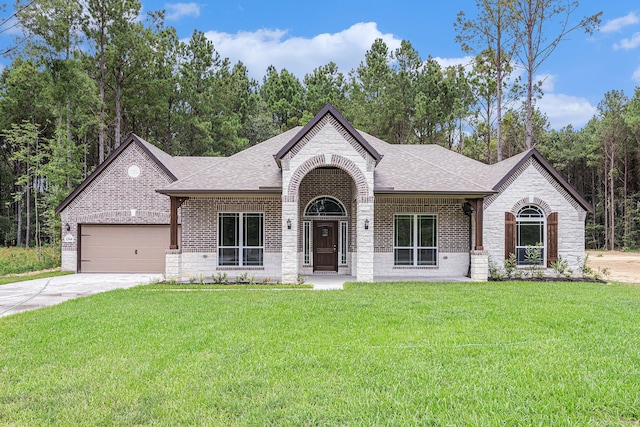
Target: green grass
[(436, 354), (15, 260), (14, 279), (211, 286)]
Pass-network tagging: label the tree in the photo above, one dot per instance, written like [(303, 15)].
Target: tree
[(401, 96), (534, 21), (369, 109), (491, 31), (325, 85), (284, 95), (613, 133)]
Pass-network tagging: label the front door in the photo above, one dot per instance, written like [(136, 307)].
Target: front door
[(325, 246)]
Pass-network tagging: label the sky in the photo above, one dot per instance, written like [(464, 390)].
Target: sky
[(303, 35)]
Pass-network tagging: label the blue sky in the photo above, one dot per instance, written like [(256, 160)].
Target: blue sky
[(301, 36)]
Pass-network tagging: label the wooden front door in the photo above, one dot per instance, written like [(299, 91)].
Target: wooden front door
[(325, 246)]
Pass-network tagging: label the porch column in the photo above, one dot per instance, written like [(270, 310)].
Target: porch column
[(365, 227), (176, 202), (479, 268), (289, 240), (479, 207)]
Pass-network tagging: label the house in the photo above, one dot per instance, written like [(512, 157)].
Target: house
[(321, 199)]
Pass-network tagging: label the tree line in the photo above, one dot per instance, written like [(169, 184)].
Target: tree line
[(86, 74)]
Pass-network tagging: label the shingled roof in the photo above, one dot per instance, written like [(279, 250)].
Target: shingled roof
[(174, 167), (400, 169)]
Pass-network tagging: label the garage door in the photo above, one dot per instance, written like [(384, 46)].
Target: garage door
[(123, 248)]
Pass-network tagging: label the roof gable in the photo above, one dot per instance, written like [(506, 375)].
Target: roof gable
[(162, 159), (535, 155), (328, 109)]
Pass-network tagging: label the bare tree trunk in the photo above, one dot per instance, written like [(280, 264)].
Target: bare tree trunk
[(28, 211), (118, 112), (612, 215), (101, 83), (19, 219)]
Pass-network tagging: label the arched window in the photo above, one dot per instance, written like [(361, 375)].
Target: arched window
[(325, 206), (530, 236)]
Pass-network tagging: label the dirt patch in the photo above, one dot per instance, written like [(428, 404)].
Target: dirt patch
[(623, 266)]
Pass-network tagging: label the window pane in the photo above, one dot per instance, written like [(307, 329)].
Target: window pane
[(325, 206), (427, 256), (343, 243), (404, 230), (529, 233), (525, 256), (427, 230), (253, 230), (252, 256), (228, 256), (229, 229), (306, 242), (403, 256)]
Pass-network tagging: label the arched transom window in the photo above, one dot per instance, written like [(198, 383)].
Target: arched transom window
[(530, 240), (325, 206)]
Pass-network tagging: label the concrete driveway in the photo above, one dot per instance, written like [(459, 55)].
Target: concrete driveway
[(32, 294)]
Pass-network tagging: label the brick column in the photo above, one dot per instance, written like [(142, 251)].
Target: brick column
[(364, 263), (289, 241)]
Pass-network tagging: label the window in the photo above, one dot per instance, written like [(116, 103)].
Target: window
[(343, 243), (325, 206), (306, 243), (415, 240), (241, 239), (530, 226)]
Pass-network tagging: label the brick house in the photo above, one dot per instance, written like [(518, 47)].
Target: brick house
[(322, 199)]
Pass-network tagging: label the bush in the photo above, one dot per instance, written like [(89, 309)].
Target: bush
[(15, 260)]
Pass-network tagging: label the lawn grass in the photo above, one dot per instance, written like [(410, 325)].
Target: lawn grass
[(15, 260), (12, 278), (212, 286), (509, 353)]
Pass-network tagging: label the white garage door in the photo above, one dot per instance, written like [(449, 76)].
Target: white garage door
[(123, 248)]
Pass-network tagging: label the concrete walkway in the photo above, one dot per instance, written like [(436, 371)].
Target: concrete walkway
[(38, 293)]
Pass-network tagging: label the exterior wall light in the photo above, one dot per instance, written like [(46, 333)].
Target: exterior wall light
[(289, 224), (67, 226), (366, 224)]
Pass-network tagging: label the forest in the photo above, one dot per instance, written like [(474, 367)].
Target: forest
[(86, 74)]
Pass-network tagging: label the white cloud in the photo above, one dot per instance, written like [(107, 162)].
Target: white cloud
[(548, 82), (259, 49), (179, 10), (636, 75), (617, 24), (563, 110), (465, 61), (627, 44)]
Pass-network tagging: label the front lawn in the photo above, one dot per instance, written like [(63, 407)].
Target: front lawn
[(509, 353)]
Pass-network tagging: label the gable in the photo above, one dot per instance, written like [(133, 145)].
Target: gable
[(533, 165), (326, 119), (533, 160), (113, 173)]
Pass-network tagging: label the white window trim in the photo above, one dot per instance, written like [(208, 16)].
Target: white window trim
[(415, 247), (240, 246), (543, 220)]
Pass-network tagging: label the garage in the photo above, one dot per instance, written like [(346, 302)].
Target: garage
[(123, 248)]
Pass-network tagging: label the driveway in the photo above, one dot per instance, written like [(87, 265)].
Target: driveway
[(32, 294)]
